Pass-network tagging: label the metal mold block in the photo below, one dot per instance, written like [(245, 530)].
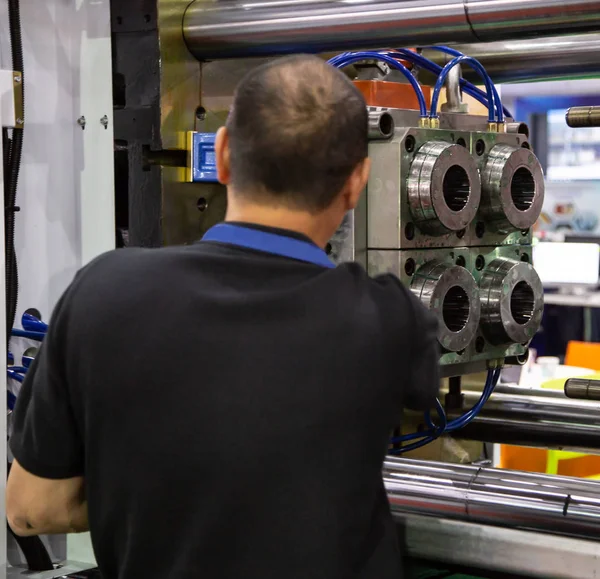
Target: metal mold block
[(443, 187), (451, 293), (511, 301), (513, 188)]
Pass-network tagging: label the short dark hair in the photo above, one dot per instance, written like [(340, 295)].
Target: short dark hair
[(297, 129)]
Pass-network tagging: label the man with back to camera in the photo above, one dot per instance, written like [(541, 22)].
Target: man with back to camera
[(223, 409)]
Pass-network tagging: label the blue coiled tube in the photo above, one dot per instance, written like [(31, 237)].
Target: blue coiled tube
[(497, 101), (347, 58), (432, 67), (424, 438)]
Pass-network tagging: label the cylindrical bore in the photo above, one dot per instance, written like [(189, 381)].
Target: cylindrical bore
[(381, 125), (511, 302), (451, 293), (444, 188), (512, 188)]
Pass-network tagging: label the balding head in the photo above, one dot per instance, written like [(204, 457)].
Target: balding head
[(297, 131)]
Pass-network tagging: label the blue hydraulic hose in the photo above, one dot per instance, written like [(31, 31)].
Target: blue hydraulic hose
[(497, 101), (37, 336), (429, 436), (15, 376), (436, 69), (32, 324), (347, 58), (444, 74)]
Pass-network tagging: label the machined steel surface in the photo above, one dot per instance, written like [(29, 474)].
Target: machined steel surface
[(582, 389), (531, 59), (451, 293), (512, 188), (234, 29), (443, 186), (519, 500), (511, 301), (583, 117), (505, 552), (381, 125), (406, 263), (525, 419)]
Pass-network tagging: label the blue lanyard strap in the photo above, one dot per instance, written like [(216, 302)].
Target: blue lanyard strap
[(268, 242)]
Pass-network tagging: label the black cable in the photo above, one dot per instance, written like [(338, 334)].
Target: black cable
[(33, 549), (14, 166)]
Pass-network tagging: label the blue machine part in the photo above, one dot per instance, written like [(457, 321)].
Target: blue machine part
[(204, 163)]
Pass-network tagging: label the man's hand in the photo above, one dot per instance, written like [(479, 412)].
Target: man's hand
[(39, 506)]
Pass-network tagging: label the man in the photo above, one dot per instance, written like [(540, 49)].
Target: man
[(222, 410)]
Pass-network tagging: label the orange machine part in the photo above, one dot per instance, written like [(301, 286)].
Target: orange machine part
[(393, 95)]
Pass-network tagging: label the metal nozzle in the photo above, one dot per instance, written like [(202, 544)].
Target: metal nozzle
[(582, 389), (381, 125), (583, 117)]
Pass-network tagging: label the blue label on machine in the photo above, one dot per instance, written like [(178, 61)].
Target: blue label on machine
[(204, 164)]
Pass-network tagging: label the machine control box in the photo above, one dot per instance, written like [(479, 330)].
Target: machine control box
[(202, 165)]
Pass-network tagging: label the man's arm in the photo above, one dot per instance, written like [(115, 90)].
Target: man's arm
[(424, 385), (40, 506)]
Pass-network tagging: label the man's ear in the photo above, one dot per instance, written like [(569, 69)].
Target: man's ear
[(222, 156), (357, 183)]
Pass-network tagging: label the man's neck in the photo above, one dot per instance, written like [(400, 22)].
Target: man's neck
[(281, 218)]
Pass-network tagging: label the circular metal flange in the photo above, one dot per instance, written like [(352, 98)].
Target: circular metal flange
[(512, 185), (451, 293), (511, 302), (444, 188)]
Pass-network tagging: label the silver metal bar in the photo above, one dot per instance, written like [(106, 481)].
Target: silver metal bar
[(237, 29), (513, 553), (552, 421), (531, 59), (553, 504)]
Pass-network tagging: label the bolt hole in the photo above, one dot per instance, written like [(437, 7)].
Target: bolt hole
[(409, 144), (479, 147), (480, 229), (479, 345), (456, 309), (522, 189), (456, 188), (35, 313), (409, 231), (461, 352), (480, 263), (522, 302), (460, 234), (409, 266), (461, 261), (386, 125), (328, 249), (200, 113), (526, 145), (202, 204), (461, 142), (147, 18), (525, 258)]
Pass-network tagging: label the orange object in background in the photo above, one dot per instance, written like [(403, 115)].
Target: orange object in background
[(580, 355), (583, 355), (393, 95)]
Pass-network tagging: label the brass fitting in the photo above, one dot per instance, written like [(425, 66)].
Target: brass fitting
[(434, 123)]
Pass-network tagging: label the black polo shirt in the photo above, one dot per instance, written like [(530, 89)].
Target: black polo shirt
[(229, 410)]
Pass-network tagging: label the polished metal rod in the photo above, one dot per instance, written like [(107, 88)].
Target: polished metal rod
[(238, 29), (531, 59), (553, 504), (551, 421)]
